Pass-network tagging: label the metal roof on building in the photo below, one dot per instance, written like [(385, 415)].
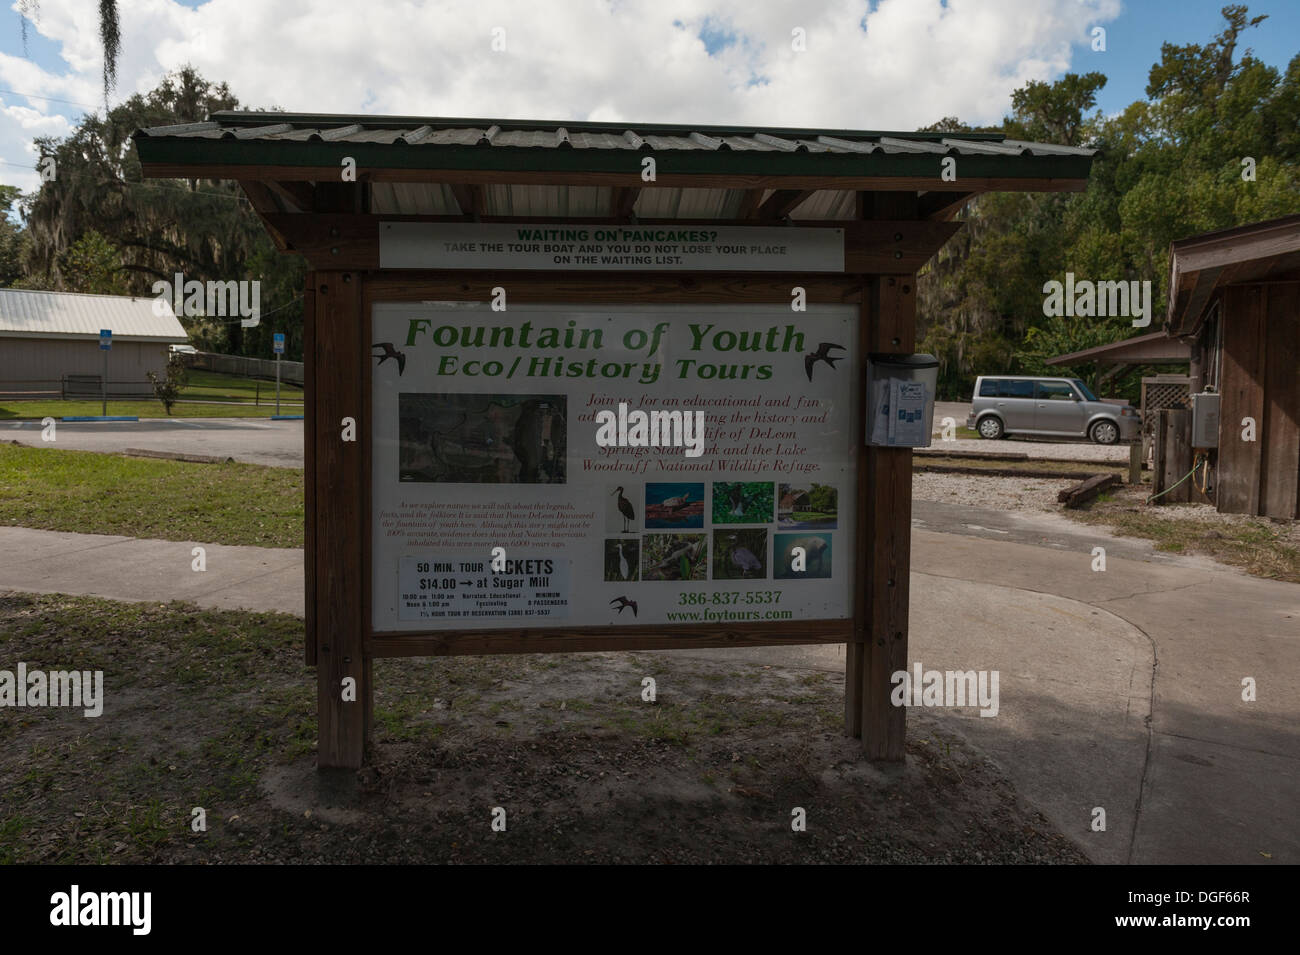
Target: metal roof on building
[(572, 169), (70, 315)]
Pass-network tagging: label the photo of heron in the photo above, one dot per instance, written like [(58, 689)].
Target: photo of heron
[(620, 511), (739, 554), (482, 439), (675, 557), (622, 559), (815, 560), (743, 502), (673, 505)]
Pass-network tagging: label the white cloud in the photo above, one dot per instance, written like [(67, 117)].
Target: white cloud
[(916, 60)]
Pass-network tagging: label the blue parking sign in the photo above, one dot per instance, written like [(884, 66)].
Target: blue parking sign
[(105, 338), (279, 343)]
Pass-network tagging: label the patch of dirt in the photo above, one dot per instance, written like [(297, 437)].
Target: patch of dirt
[(580, 766)]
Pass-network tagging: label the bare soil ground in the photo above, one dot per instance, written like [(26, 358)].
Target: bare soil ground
[(216, 710)]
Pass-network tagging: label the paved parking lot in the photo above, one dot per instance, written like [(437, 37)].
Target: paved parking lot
[(252, 440)]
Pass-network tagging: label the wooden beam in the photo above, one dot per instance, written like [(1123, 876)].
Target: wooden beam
[(782, 202), (750, 202), (469, 198), (943, 205), (299, 195), (885, 519), (592, 639), (665, 180), (339, 499), (622, 201), (264, 204)]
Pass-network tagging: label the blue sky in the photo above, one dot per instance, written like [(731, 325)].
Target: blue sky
[(887, 64)]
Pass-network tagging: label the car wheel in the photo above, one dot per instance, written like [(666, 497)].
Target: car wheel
[(1105, 432), (990, 428)]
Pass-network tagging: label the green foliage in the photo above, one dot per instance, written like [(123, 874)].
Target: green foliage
[(203, 229), (13, 239), (168, 388), (1166, 168), (822, 498), (94, 265)]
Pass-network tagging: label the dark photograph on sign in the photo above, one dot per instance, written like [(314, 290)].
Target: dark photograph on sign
[(742, 502), (675, 557), (739, 554), (482, 439)]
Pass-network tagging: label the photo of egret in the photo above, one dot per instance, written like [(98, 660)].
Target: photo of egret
[(743, 502), (675, 557), (816, 556), (740, 554), (622, 559)]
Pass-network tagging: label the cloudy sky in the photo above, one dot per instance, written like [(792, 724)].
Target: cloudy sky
[(885, 64)]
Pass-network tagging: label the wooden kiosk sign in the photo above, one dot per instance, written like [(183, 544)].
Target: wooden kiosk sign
[(600, 386)]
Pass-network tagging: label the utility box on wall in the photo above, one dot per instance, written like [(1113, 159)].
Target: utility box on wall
[(1205, 420), (900, 400)]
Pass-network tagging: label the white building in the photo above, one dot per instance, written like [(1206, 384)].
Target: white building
[(49, 342)]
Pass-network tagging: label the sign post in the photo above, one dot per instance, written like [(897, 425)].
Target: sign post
[(105, 345), (279, 350)]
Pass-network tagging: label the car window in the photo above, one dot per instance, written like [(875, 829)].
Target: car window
[(1084, 390), (1006, 388), (1055, 391)]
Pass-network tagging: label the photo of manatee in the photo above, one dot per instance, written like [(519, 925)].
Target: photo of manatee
[(742, 502), (482, 439), (739, 554), (674, 557), (816, 556), (674, 505), (811, 507), (622, 559)]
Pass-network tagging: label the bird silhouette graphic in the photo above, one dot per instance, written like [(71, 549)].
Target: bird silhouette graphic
[(624, 602), (821, 354), (391, 352)]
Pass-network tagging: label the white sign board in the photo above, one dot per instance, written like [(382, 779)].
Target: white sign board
[(437, 245), (496, 506)]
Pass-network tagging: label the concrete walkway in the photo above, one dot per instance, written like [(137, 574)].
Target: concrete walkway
[(1120, 689)]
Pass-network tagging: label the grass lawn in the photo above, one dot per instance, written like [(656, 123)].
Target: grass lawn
[(1261, 547), (214, 385), (207, 394), (215, 710), (55, 408), (94, 493)]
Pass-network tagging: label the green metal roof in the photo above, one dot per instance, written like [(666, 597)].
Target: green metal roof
[(238, 138)]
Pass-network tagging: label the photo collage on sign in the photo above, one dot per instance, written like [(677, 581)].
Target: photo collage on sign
[(719, 530)]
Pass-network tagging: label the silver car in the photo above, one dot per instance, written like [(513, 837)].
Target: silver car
[(1048, 407)]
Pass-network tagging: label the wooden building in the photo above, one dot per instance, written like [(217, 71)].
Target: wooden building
[(1235, 297), (331, 187)]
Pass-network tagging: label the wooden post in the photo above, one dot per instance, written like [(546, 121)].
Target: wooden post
[(885, 518), (1135, 462), (339, 519)]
